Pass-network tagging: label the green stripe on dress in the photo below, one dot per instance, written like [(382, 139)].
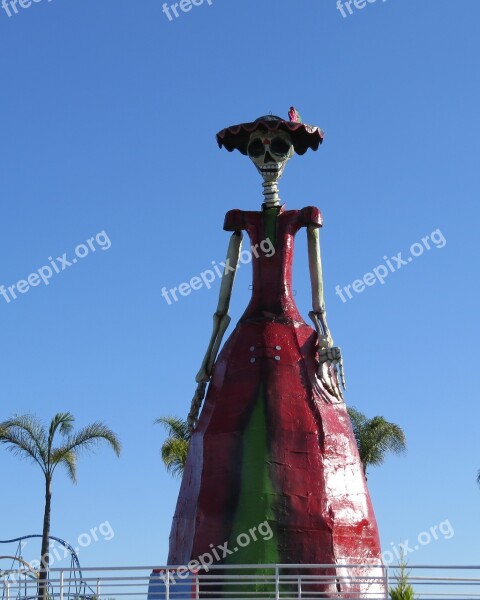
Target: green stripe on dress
[(255, 503), (270, 223)]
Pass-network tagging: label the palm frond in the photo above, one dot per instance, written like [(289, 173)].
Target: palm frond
[(67, 458), (174, 455), (20, 444), (69, 461), (358, 421), (376, 437), (29, 428), (25, 436), (175, 448), (90, 437), (176, 427), (62, 421), (383, 437)]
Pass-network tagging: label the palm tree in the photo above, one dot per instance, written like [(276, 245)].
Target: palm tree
[(375, 438), (175, 448), (27, 437)]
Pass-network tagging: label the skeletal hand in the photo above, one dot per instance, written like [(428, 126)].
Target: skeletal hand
[(330, 370), (202, 376), (196, 405)]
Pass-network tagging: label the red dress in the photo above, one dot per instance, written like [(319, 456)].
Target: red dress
[(272, 445)]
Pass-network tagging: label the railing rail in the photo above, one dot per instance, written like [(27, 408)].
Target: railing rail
[(246, 582)]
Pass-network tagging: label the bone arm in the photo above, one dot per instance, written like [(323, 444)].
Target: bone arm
[(221, 318), (318, 314)]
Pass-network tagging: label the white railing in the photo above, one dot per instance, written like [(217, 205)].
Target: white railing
[(245, 582)]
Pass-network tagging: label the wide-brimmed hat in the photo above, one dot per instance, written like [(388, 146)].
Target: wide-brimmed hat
[(303, 136)]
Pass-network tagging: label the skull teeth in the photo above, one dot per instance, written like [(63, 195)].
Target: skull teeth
[(271, 168)]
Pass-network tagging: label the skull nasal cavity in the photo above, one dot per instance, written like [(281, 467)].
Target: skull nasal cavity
[(268, 157)]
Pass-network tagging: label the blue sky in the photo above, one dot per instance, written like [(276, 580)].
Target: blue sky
[(109, 112)]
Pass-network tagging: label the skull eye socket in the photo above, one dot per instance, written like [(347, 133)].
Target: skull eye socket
[(256, 148), (279, 146)]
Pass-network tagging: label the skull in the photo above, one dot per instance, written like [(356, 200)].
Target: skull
[(270, 151)]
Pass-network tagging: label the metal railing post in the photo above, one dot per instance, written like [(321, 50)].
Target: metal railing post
[(7, 589), (277, 583), (61, 585), (167, 589), (98, 589), (387, 582), (299, 587)]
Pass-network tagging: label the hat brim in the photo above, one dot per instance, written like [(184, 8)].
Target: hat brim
[(304, 136)]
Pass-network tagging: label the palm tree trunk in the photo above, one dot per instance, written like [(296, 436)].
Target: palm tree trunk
[(45, 557)]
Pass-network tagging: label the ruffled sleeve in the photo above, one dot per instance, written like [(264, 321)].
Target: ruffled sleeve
[(311, 215), (234, 220)]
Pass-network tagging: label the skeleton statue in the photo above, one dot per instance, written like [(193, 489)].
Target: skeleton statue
[(273, 442), (270, 154)]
